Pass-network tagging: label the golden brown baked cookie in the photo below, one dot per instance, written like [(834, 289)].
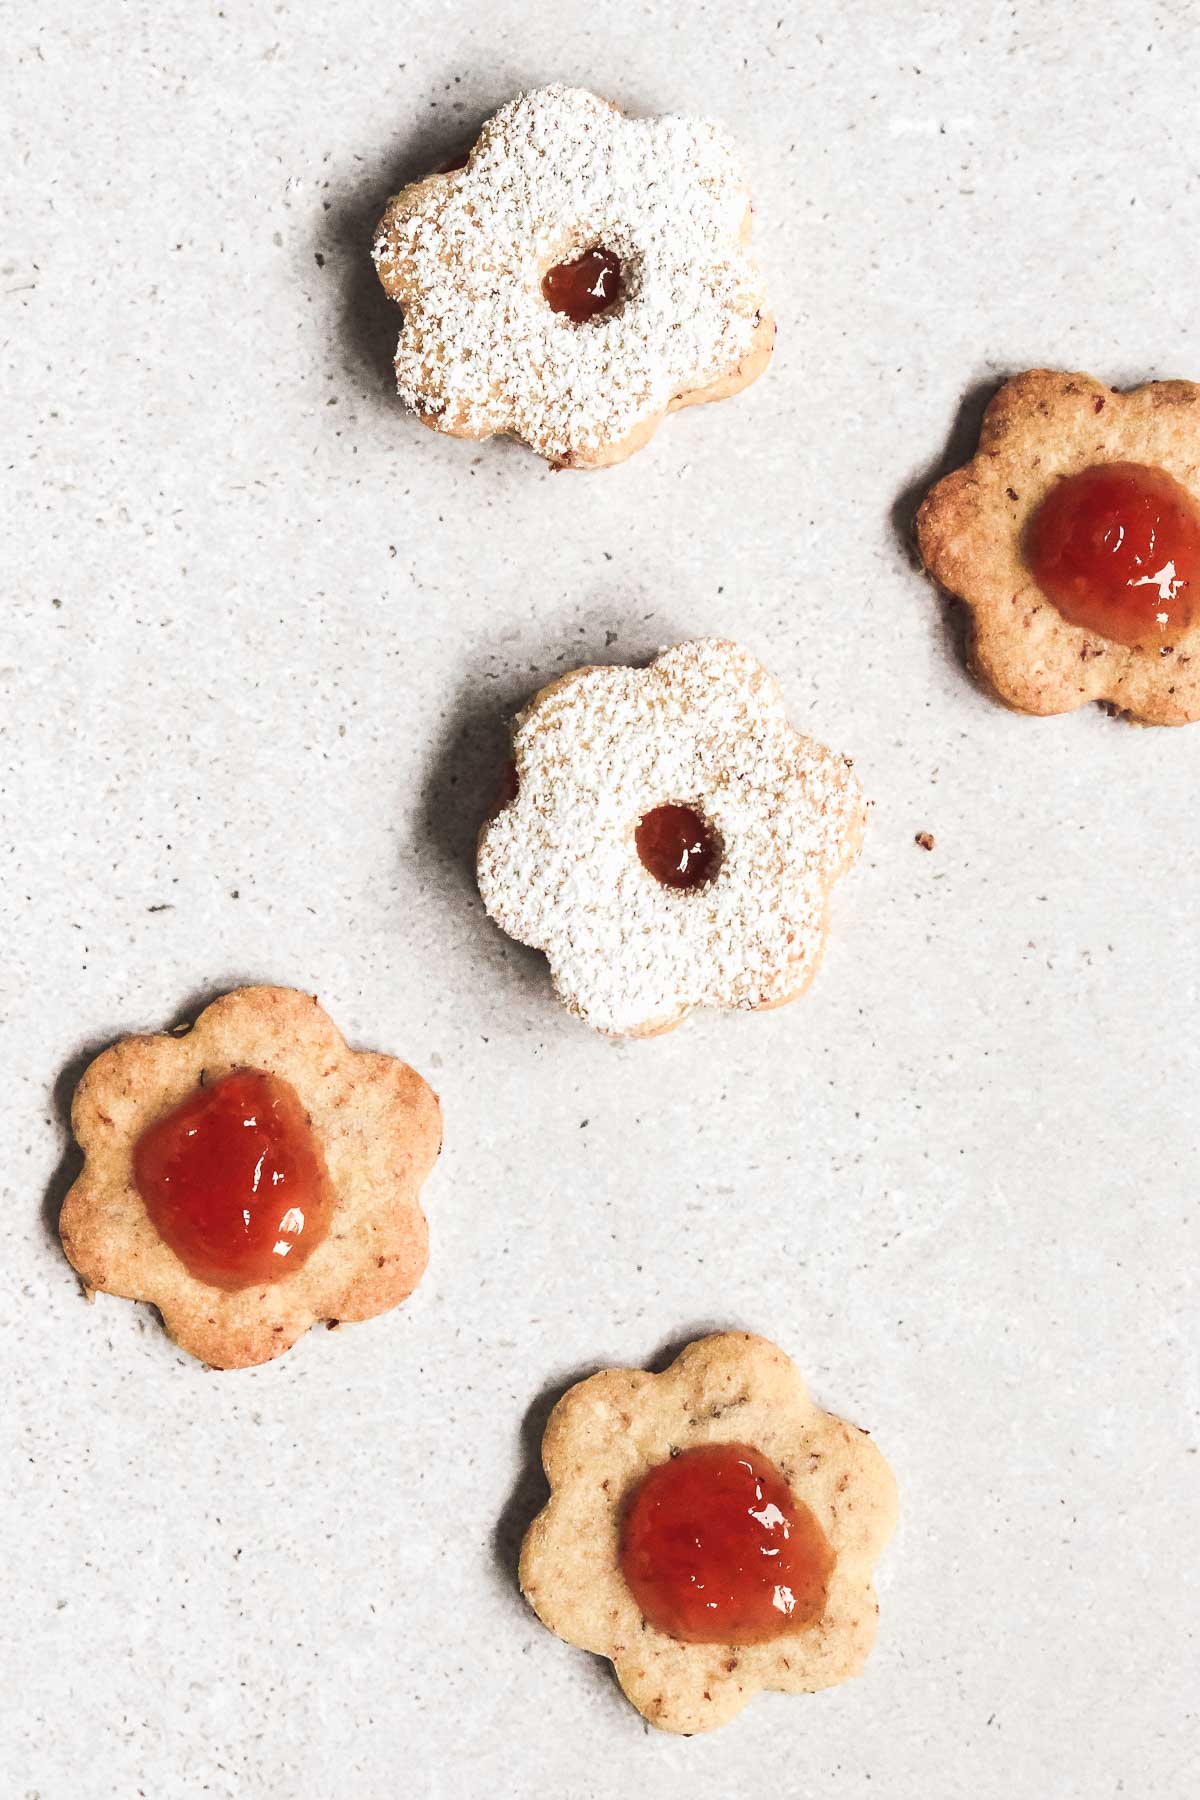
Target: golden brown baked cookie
[(733, 1399), (977, 533), (330, 1147), (579, 277), (672, 840)]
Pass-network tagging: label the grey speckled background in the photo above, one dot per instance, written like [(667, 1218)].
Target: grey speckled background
[(258, 631)]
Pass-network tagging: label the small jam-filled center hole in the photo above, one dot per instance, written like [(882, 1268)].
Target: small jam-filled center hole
[(678, 846), (584, 288), (507, 788)]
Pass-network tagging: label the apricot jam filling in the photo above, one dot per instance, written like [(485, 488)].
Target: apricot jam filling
[(584, 288), (1116, 548), (677, 846), (234, 1181), (716, 1549)]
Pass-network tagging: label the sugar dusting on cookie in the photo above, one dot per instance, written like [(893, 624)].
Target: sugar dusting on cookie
[(704, 726), (555, 173)]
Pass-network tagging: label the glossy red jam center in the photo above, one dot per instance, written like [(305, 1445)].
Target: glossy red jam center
[(1117, 549), (716, 1550), (677, 846), (234, 1180), (585, 287)]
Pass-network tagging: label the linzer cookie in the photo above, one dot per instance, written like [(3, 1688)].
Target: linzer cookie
[(581, 275), (671, 839), (251, 1176), (710, 1530), (1073, 535)]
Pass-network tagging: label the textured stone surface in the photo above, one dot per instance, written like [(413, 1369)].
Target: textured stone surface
[(258, 630)]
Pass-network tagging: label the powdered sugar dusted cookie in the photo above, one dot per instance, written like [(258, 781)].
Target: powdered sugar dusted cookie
[(711, 1530), (1073, 535), (251, 1176), (672, 841), (582, 275)]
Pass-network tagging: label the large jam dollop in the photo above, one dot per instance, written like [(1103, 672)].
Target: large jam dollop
[(582, 289), (716, 1550), (234, 1180), (1116, 548), (676, 845)]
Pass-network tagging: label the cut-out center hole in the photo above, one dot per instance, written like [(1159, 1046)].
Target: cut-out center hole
[(507, 787), (678, 846), (585, 288)]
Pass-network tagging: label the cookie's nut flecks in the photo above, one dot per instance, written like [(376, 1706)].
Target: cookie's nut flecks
[(579, 276), (978, 537), (375, 1130), (671, 840), (610, 1435)]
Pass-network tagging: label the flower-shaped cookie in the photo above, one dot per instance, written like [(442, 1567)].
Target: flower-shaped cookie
[(582, 275), (672, 841), (251, 1176), (611, 1436), (1067, 439)]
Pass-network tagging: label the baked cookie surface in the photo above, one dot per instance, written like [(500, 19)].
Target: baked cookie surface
[(604, 753), (974, 527), (376, 1127), (602, 1440), (557, 176)]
